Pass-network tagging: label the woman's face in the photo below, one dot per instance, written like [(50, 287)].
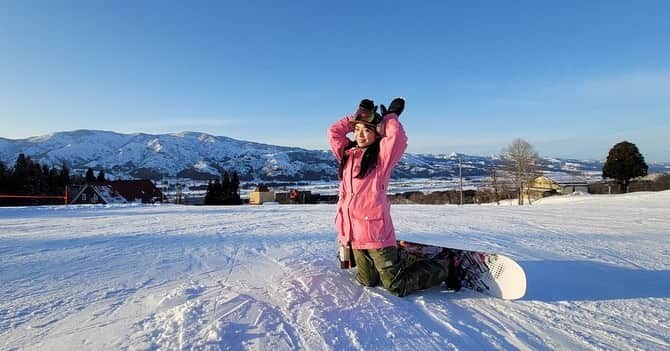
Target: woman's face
[(364, 135)]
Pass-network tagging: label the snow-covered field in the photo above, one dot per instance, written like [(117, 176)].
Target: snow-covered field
[(265, 278)]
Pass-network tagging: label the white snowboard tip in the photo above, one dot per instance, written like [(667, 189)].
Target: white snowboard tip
[(507, 279)]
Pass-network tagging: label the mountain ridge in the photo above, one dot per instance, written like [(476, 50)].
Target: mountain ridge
[(200, 155)]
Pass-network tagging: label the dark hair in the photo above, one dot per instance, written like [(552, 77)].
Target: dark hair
[(368, 162)]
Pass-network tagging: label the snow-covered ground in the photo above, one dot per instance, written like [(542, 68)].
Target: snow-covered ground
[(265, 278), (402, 185)]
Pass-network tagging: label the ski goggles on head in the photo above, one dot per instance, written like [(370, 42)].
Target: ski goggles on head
[(367, 116), (364, 115)]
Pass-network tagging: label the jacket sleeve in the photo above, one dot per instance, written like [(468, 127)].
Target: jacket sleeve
[(393, 144), (337, 136)]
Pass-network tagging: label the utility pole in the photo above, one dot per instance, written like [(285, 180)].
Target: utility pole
[(178, 195), (495, 186), (460, 175)]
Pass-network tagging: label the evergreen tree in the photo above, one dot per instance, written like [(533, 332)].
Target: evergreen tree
[(35, 178), (235, 183), (44, 181), (4, 177), (64, 176), (21, 165), (20, 179), (90, 178), (53, 181), (217, 192), (101, 176), (214, 193), (624, 162), (225, 185), (225, 192), (30, 178), (208, 195), (234, 198)]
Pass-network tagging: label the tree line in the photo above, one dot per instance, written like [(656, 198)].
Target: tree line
[(512, 176), (225, 191), (519, 166), (516, 170), (91, 178), (28, 177)]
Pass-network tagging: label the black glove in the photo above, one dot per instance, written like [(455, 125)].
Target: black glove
[(396, 106)]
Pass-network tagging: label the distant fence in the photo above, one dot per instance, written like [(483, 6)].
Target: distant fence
[(26, 199)]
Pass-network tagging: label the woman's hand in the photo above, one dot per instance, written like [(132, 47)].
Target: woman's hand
[(396, 106), (381, 129)]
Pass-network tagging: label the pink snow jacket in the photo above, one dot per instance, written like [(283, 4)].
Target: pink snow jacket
[(363, 211)]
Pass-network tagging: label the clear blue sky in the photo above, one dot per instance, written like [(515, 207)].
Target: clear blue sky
[(571, 77)]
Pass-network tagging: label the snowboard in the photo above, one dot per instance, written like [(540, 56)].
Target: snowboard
[(488, 273)]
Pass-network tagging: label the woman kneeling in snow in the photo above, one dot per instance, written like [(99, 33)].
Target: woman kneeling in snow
[(363, 218)]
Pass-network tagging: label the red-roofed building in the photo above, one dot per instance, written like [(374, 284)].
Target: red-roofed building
[(118, 191)]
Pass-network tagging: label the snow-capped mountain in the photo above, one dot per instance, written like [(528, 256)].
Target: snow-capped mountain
[(186, 154), (201, 156)]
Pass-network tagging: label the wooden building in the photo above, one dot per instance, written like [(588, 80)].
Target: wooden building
[(544, 186), (260, 195), (118, 192)]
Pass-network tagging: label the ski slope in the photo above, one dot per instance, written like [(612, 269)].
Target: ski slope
[(170, 277)]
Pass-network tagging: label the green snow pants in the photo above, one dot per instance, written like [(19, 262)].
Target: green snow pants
[(399, 278)]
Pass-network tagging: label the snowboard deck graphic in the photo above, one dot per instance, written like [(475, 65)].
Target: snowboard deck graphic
[(489, 273)]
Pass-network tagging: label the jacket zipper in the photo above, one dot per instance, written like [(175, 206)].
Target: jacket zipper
[(351, 197)]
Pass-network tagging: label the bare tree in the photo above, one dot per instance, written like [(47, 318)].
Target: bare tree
[(520, 161), (495, 185)]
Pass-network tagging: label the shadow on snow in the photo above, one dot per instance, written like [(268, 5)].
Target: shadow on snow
[(589, 280)]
